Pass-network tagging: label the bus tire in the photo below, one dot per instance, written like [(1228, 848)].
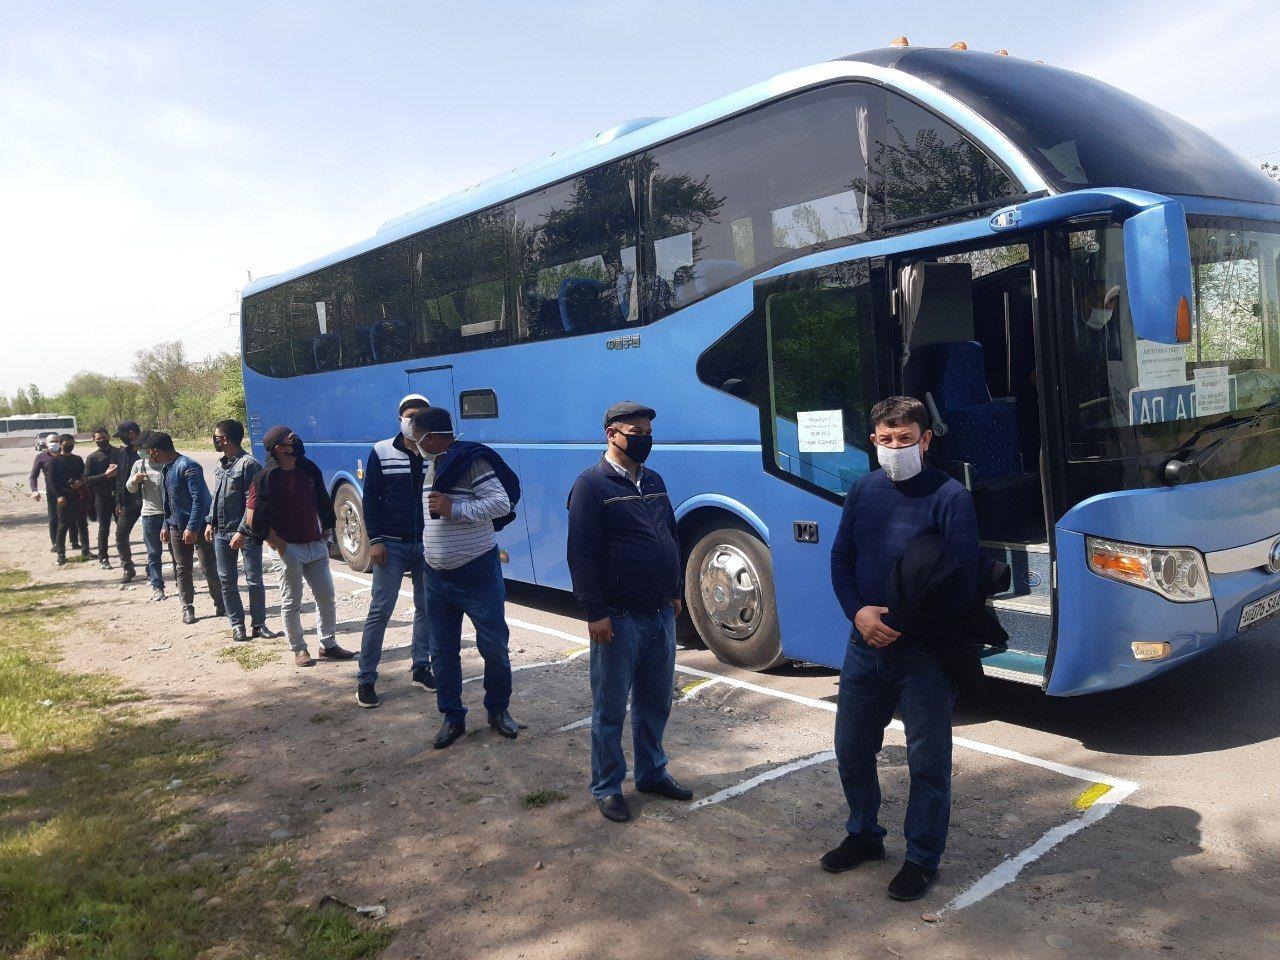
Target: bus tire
[(730, 597), (352, 540)]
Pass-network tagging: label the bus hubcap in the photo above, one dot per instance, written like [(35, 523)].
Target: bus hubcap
[(350, 528), (730, 591)]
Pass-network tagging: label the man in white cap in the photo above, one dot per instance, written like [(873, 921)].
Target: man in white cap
[(393, 523), (41, 469)]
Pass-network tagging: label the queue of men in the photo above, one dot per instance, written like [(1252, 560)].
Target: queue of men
[(432, 507)]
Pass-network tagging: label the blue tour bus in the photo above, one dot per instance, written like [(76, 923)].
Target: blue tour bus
[(1083, 289)]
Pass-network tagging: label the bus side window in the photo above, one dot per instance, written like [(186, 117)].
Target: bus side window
[(822, 374)]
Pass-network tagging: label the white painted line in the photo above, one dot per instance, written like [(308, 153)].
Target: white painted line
[(1008, 870), (540, 663), (740, 788), (576, 725)]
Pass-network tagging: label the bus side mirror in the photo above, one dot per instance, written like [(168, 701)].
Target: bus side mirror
[(1157, 256)]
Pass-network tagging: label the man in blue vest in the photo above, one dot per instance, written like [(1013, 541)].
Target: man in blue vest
[(624, 557), (393, 523)]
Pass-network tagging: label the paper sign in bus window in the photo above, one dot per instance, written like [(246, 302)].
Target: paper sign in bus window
[(322, 316), (1161, 365), (1213, 393), (821, 431)]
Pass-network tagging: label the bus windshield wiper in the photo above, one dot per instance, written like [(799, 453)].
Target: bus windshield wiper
[(1179, 469)]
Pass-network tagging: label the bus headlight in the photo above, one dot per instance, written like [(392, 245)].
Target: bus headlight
[(1176, 573)]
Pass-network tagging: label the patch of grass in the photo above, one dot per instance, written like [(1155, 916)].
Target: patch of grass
[(102, 841), (320, 717), (467, 796), (541, 798), (249, 655)]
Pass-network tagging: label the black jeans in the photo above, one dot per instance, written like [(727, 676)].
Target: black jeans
[(72, 517), (106, 508), (183, 554), (124, 530)]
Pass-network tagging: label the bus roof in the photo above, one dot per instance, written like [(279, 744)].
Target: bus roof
[(1027, 115)]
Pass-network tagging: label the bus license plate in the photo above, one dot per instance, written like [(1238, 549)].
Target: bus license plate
[(1260, 610)]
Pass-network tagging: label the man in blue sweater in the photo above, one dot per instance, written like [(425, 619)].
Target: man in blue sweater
[(624, 558), (883, 513)]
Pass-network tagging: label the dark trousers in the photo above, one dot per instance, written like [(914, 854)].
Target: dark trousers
[(872, 683), (229, 575), (183, 555), (52, 503), (72, 518), (388, 577), (477, 590), (105, 507), (124, 530)]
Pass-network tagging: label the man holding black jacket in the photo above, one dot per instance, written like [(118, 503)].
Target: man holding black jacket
[(101, 471)]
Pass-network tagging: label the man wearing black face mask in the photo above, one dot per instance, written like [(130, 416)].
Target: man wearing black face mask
[(128, 502), (624, 557), (100, 472)]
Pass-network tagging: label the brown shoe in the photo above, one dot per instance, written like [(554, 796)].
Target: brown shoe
[(336, 653), (303, 659)]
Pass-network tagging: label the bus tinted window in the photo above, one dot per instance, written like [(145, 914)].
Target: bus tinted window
[(460, 280), (930, 168), (575, 255), (756, 190)]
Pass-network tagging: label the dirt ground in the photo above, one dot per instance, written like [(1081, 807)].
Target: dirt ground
[(469, 867)]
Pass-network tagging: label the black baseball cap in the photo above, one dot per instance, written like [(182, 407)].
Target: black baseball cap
[(159, 440), (128, 426), (625, 409), (275, 435)]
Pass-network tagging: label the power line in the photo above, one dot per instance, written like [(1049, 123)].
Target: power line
[(1265, 153)]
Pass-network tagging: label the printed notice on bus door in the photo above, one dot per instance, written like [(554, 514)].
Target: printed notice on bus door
[(1213, 391), (821, 431), (1161, 365)]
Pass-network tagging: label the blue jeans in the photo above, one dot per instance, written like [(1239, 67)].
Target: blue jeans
[(872, 683), (387, 578), (229, 575), (476, 589), (640, 662), (151, 527)]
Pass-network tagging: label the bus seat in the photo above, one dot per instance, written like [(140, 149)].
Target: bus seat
[(971, 426), (389, 340), (327, 349), (582, 305)]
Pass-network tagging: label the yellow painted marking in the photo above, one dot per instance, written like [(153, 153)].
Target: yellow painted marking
[(1092, 795), (688, 688)]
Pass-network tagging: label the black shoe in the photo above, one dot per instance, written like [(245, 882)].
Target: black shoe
[(502, 722), (86, 555), (62, 561), (852, 852), (265, 632), (104, 563), (449, 732), (128, 575), (238, 633), (366, 696), (614, 808), (219, 612), (422, 677), (668, 788), (911, 882), (157, 594), (188, 614), (53, 549)]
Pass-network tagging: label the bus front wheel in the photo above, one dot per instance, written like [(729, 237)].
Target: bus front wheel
[(730, 598), (353, 542)]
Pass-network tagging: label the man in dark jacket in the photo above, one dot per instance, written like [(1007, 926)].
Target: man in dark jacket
[(884, 513), (128, 502), (393, 523), (41, 473), (290, 509), (66, 480), (230, 535), (624, 557), (186, 504), (101, 470)]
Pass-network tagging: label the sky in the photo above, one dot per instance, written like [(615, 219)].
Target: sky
[(154, 156)]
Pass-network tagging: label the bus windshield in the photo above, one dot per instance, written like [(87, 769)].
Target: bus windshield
[(1118, 384)]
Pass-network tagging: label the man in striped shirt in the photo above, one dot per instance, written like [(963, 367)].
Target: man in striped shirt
[(463, 572)]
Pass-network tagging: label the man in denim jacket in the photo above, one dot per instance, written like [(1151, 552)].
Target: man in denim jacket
[(186, 504), (227, 530)]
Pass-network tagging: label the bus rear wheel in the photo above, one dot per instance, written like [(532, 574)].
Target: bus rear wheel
[(730, 598), (353, 542)]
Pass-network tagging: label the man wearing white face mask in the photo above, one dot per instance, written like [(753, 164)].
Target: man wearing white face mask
[(393, 522), (884, 512)]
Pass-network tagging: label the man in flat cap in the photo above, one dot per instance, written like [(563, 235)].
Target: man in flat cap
[(624, 557)]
